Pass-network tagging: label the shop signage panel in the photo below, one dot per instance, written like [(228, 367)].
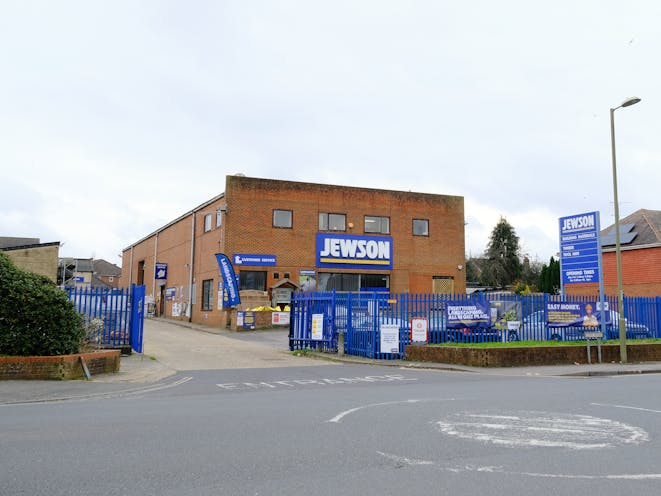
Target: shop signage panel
[(255, 259), (160, 271), (580, 249), (353, 251)]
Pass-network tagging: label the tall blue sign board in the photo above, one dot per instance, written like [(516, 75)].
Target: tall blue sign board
[(580, 250)]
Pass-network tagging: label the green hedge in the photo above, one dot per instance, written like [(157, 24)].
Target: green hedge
[(36, 317)]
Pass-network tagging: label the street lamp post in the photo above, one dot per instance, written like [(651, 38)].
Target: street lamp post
[(618, 255)]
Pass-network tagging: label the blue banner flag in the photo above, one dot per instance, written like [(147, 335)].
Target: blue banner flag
[(229, 278)]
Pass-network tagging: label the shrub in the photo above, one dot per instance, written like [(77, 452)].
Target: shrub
[(36, 317)]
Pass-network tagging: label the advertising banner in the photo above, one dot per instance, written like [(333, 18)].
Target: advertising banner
[(504, 313), (581, 314), (229, 280), (473, 314)]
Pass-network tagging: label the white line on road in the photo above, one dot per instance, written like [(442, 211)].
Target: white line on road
[(401, 461), (338, 418), (627, 407)]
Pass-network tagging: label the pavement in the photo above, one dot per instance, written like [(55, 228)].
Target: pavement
[(171, 347)]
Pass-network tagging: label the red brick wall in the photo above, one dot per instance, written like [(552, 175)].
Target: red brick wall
[(247, 228), (58, 367), (416, 258), (641, 274)]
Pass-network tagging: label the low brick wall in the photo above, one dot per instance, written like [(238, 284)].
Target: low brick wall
[(523, 356), (61, 367)]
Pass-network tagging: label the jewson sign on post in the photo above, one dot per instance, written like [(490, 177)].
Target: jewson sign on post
[(354, 252), (580, 250)]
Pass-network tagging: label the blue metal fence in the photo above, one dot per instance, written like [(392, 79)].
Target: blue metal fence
[(318, 318), (119, 312)]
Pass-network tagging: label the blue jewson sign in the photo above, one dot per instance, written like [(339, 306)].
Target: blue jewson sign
[(579, 314), (161, 271), (473, 314), (254, 259), (354, 252), (229, 278), (579, 248)]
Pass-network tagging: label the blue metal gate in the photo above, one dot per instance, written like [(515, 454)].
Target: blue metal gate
[(121, 312)]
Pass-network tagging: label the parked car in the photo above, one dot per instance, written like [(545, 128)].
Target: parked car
[(534, 327)]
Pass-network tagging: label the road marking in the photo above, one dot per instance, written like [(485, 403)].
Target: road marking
[(627, 407), (108, 394), (401, 461), (291, 383), (542, 429), (338, 418)]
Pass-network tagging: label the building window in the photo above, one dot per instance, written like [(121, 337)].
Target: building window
[(420, 227), (332, 222), (141, 273), (379, 225), (353, 282), (282, 218), (252, 279), (207, 294), (207, 223), (219, 218)]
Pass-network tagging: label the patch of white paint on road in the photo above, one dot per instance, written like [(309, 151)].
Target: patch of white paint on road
[(542, 429)]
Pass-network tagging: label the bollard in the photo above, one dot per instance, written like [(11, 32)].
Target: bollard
[(340, 344)]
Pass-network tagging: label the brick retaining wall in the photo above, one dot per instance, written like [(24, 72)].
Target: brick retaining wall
[(524, 356), (61, 367)]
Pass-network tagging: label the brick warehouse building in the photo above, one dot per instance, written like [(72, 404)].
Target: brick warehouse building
[(640, 243), (312, 235)]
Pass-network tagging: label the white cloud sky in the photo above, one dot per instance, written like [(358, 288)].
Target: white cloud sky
[(118, 116)]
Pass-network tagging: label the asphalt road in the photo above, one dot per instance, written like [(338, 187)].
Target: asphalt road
[(340, 429)]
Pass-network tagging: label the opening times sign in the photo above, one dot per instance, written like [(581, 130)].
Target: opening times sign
[(580, 250)]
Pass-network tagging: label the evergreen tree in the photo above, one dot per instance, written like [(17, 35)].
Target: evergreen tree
[(502, 265), (549, 278)]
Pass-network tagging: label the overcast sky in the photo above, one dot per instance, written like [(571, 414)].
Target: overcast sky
[(118, 116)]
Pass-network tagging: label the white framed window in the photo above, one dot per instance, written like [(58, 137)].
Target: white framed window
[(207, 223), (332, 222), (219, 218), (374, 224), (282, 218)]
